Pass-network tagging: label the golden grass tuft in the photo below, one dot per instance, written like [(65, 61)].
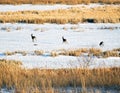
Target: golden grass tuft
[(111, 53), (95, 51), (24, 53), (117, 49), (54, 53), (74, 52), (38, 52), (9, 53)]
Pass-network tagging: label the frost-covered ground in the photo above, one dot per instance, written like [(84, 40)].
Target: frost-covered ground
[(4, 8), (14, 37)]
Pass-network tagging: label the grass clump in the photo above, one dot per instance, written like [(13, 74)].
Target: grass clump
[(111, 53), (117, 49), (74, 53), (38, 52), (95, 51), (9, 53), (54, 54), (24, 53)]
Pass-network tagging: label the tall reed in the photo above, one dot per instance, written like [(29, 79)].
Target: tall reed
[(21, 79)]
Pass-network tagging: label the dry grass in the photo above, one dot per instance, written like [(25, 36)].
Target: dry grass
[(95, 51), (111, 53), (89, 51), (54, 54), (41, 80), (58, 1), (107, 14), (78, 52), (8, 53), (71, 52), (38, 52), (117, 49)]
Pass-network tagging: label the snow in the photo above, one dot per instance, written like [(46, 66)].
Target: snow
[(59, 62), (49, 38), (4, 8), (17, 37), (84, 35)]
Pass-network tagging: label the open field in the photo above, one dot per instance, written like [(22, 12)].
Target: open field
[(58, 1), (48, 51), (50, 81), (103, 14), (35, 58)]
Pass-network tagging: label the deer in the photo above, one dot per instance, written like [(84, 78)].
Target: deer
[(101, 43), (33, 37), (64, 40)]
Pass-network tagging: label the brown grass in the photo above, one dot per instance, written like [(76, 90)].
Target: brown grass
[(107, 14), (54, 54), (95, 51), (38, 52), (8, 53), (41, 80), (111, 53), (78, 52), (58, 1), (71, 52), (117, 49)]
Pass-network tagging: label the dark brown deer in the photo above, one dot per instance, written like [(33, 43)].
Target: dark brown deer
[(33, 37), (64, 40), (101, 43)]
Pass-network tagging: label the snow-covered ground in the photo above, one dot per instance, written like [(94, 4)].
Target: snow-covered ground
[(58, 62), (14, 37), (4, 8)]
